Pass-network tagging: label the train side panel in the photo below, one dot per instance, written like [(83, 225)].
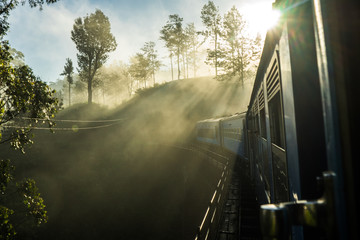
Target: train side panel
[(208, 131), (233, 137)]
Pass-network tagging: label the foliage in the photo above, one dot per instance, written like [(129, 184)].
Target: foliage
[(68, 72), (116, 82), (94, 41), (7, 230), (7, 5), (22, 96), (193, 44), (151, 54), (239, 49), (140, 67), (172, 34), (212, 20), (32, 200), (5, 174)]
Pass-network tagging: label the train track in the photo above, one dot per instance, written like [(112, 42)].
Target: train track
[(233, 210)]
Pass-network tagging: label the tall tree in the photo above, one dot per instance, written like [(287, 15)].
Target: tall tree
[(140, 68), (212, 20), (193, 42), (172, 34), (94, 41), (68, 72), (151, 54), (239, 49)]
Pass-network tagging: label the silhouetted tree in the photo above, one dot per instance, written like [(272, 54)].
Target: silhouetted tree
[(94, 41), (239, 49), (140, 68), (193, 43), (212, 20), (151, 54), (68, 72), (172, 34), (115, 81)]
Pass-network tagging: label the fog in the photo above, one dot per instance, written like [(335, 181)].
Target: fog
[(129, 180)]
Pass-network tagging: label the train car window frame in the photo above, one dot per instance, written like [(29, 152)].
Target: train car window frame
[(275, 105), (277, 132), (263, 129)]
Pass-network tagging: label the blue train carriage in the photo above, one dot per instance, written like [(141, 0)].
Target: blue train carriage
[(301, 122), (233, 134), (208, 131)]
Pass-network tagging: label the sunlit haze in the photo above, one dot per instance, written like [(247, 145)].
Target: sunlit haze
[(44, 36)]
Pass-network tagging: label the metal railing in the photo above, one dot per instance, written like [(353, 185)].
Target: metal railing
[(209, 226)]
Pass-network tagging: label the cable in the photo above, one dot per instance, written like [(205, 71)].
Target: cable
[(75, 121), (61, 129)]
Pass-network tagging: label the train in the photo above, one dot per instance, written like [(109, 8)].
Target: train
[(298, 134), (225, 133)]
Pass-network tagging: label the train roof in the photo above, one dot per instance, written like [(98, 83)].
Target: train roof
[(271, 39), (236, 115)]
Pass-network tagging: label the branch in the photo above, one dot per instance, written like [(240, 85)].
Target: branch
[(7, 8)]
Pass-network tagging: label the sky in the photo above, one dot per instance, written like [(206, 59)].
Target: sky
[(45, 36)]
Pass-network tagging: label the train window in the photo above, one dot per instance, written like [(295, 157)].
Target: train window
[(263, 123), (276, 121), (206, 133)]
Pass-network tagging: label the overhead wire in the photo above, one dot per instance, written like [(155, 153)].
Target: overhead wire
[(74, 128), (75, 121)]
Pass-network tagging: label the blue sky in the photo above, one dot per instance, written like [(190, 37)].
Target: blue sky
[(44, 36)]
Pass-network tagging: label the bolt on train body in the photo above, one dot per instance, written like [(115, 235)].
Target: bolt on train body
[(298, 134)]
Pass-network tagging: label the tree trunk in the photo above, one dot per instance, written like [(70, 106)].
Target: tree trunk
[(184, 67), (172, 68), (153, 77), (69, 95), (103, 92), (187, 64), (194, 57), (178, 62), (90, 91), (216, 63)]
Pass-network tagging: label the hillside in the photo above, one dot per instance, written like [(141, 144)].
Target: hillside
[(122, 180)]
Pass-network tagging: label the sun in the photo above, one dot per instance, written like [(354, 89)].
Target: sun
[(260, 17)]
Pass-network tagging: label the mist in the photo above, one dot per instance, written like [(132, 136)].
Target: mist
[(131, 179)]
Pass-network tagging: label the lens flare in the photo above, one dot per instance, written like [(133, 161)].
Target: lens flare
[(260, 17)]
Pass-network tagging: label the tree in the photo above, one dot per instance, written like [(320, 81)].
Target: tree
[(193, 42), (172, 34), (24, 98), (7, 5), (94, 41), (239, 49), (151, 54), (68, 72), (140, 68), (212, 20)]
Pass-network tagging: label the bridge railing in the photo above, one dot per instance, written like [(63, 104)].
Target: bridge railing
[(209, 226)]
